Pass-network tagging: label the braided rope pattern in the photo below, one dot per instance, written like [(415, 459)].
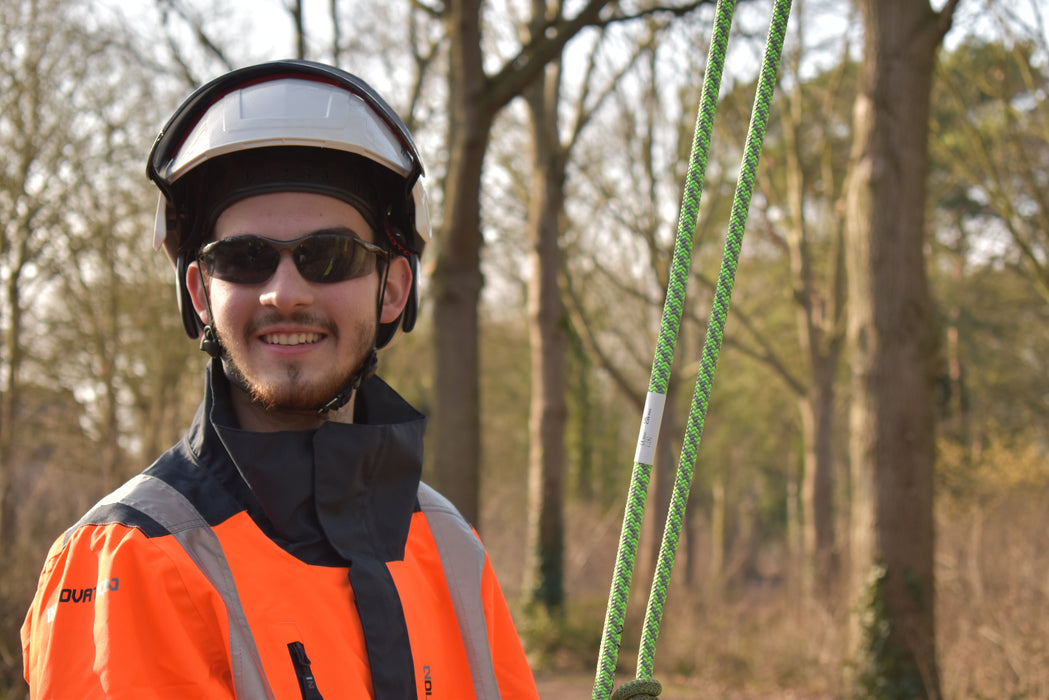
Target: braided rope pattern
[(669, 328), (715, 333), (641, 688), (667, 341)]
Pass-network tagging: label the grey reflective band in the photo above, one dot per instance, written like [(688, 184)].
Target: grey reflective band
[(463, 558), (176, 514)]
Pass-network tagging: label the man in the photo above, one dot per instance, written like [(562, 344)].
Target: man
[(286, 548)]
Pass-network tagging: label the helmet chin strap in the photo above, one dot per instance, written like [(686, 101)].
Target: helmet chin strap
[(210, 344), (366, 370)]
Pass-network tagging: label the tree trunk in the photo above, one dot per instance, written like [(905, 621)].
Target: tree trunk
[(817, 486), (457, 273), (549, 348), (821, 335), (584, 438), (957, 409), (892, 351), (474, 99), (9, 404)]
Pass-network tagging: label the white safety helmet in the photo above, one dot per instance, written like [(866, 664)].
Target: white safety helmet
[(287, 126)]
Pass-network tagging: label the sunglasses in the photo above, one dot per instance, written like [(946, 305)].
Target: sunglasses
[(319, 257)]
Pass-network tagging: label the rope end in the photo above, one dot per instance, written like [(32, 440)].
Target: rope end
[(638, 688)]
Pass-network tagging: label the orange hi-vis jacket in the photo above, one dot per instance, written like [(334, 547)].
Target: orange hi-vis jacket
[(276, 566)]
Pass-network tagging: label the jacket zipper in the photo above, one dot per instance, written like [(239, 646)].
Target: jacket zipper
[(301, 662)]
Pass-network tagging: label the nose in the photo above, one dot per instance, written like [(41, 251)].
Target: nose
[(286, 290)]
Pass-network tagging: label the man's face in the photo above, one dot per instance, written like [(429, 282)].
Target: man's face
[(294, 343)]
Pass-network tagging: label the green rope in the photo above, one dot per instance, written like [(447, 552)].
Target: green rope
[(660, 377), (639, 688), (715, 332), (665, 349)]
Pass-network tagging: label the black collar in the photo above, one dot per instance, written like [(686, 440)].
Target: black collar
[(324, 495)]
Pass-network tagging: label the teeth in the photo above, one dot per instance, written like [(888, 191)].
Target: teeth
[(291, 338)]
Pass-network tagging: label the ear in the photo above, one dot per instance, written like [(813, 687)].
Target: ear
[(195, 285), (398, 287)]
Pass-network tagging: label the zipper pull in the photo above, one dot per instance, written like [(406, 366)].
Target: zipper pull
[(301, 662)]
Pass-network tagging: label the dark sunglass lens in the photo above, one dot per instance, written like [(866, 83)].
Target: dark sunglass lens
[(331, 259), (242, 260)]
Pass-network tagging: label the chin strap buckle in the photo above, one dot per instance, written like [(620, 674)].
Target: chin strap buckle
[(209, 342), (367, 369)]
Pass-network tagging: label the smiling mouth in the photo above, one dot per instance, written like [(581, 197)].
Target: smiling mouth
[(292, 338)]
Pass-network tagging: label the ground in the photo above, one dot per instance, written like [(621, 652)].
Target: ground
[(581, 687)]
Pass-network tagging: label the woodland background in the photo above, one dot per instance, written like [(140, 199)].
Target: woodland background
[(870, 494)]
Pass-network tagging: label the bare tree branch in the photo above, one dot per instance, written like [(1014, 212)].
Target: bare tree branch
[(205, 41), (533, 56)]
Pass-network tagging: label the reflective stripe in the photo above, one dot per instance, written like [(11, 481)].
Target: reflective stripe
[(175, 513), (463, 559)]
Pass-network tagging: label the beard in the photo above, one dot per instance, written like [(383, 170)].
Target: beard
[(297, 385)]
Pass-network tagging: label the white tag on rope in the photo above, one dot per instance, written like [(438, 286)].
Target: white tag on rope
[(650, 422)]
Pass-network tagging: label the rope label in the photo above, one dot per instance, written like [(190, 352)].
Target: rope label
[(650, 422)]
